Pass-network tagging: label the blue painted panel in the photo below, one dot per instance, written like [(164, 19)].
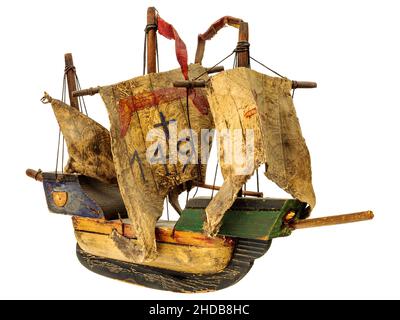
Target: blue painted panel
[(78, 203)]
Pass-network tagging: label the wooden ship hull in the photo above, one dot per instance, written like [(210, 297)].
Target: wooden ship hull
[(188, 260), (207, 265)]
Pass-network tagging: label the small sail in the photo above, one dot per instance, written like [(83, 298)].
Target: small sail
[(88, 143), (153, 148), (261, 109)]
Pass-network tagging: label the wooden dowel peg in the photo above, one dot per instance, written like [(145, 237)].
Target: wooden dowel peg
[(189, 84), (37, 175), (86, 92), (215, 69), (303, 85), (333, 220)]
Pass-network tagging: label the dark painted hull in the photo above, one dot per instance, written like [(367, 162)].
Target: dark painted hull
[(246, 251)]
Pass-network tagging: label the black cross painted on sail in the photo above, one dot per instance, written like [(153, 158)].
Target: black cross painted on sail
[(159, 154), (164, 124)]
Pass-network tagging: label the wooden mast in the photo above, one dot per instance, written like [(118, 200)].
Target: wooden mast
[(71, 80), (243, 57), (151, 40)]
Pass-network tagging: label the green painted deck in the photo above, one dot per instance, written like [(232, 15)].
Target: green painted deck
[(249, 218)]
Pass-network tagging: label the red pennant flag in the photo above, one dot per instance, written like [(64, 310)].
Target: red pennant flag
[(168, 31)]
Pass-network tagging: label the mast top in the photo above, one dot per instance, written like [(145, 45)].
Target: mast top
[(71, 80), (243, 55), (151, 40)]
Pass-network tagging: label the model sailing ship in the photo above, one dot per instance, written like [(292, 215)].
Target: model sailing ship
[(116, 182)]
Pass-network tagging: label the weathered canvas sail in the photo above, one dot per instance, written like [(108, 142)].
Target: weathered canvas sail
[(88, 143), (147, 116), (244, 99)]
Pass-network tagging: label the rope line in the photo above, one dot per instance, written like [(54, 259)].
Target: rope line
[(144, 52), (212, 68), (82, 108), (81, 100), (241, 46), (63, 97), (199, 174), (195, 193), (258, 181), (149, 27), (167, 200), (215, 179), (157, 57), (273, 71), (58, 150)]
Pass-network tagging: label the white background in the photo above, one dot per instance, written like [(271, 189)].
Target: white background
[(351, 48)]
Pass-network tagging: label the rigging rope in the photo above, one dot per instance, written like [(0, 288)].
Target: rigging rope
[(199, 174), (63, 98), (215, 178), (235, 63), (58, 150), (82, 108), (144, 52), (258, 181), (195, 193), (210, 69), (149, 27), (81, 100), (167, 201), (241, 46), (188, 192), (273, 71), (157, 57)]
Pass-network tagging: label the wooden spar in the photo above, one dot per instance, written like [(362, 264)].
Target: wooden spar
[(303, 85), (200, 83), (95, 90), (71, 80), (333, 220), (37, 175), (189, 84), (243, 57), (151, 40), (215, 69), (246, 193), (86, 92)]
